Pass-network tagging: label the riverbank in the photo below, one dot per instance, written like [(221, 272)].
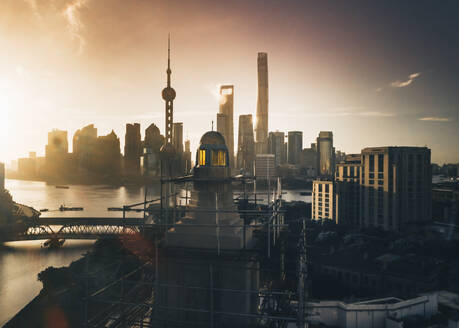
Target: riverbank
[(60, 302)]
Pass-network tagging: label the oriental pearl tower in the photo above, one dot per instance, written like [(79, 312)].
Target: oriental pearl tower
[(167, 150)]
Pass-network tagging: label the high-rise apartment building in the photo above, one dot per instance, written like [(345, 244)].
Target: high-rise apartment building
[(261, 130), (225, 123), (325, 155), (347, 182), (295, 146), (324, 200), (132, 149), (276, 146), (246, 144), (396, 187)]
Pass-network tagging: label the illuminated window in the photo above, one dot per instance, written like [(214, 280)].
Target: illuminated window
[(218, 158), (202, 157), (221, 158)]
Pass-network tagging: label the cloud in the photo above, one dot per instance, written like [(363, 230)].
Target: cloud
[(435, 119), (377, 114), (75, 25), (402, 84)]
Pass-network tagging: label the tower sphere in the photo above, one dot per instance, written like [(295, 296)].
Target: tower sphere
[(168, 94)]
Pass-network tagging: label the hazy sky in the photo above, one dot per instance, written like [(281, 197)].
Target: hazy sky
[(376, 73)]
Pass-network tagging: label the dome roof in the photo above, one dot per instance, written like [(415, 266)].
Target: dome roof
[(212, 138)]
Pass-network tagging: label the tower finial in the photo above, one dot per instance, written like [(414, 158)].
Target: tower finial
[(169, 60)]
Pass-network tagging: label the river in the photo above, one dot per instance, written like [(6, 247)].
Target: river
[(20, 262)]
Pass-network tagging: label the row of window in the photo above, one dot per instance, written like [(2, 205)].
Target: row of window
[(218, 157)]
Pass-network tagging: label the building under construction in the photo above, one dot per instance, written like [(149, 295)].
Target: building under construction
[(216, 259)]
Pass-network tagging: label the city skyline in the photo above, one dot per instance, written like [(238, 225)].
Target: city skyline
[(401, 91)]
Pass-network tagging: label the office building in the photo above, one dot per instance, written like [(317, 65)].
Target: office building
[(246, 144), (132, 149), (308, 161), (177, 137), (295, 146), (84, 142), (276, 146), (107, 156), (347, 182), (261, 130), (151, 151), (187, 157), (27, 167), (265, 168), (324, 204), (396, 187), (56, 153), (225, 124), (325, 155)]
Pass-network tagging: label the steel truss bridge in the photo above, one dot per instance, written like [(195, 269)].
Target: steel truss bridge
[(78, 228)]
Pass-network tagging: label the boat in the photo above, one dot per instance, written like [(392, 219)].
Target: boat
[(65, 208), (54, 243), (62, 187), (44, 210)]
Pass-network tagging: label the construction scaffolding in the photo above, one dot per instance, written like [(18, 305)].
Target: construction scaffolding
[(211, 287)]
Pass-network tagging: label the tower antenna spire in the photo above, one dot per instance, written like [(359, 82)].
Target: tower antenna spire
[(169, 60)]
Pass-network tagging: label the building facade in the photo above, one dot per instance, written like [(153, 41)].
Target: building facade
[(132, 149), (308, 161), (324, 205), (325, 155), (2, 176), (347, 181), (246, 144), (261, 130), (265, 168), (225, 122), (396, 187), (276, 146), (295, 146)]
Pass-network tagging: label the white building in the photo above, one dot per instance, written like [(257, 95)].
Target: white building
[(380, 313)]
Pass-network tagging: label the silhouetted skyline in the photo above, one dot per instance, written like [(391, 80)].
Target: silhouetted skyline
[(375, 74)]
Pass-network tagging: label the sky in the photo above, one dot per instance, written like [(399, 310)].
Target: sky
[(376, 73)]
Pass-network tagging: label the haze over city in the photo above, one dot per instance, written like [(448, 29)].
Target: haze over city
[(373, 73)]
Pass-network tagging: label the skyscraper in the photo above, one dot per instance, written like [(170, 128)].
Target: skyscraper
[(177, 137), (246, 144), (295, 146), (152, 146), (84, 141), (56, 153), (325, 155), (261, 130), (225, 124), (132, 149), (276, 142)]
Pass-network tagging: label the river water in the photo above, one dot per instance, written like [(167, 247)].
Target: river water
[(20, 262)]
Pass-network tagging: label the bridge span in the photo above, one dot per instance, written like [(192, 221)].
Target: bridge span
[(77, 228)]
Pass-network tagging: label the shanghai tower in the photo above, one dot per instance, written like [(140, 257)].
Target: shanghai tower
[(261, 129)]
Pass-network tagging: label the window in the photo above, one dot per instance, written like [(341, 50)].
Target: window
[(202, 157), (221, 158), (218, 158), (372, 163)]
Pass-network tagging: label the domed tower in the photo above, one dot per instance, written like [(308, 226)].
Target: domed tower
[(211, 202)]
